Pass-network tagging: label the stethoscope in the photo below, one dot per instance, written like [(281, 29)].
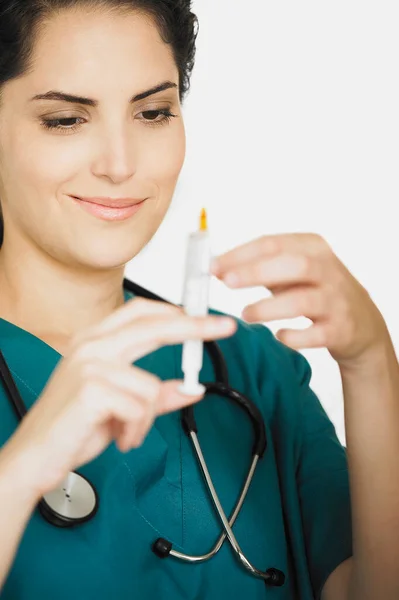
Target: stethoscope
[(76, 500)]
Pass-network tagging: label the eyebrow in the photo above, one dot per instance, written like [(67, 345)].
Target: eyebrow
[(56, 95)]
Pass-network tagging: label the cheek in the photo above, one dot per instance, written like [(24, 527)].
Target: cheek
[(37, 167), (164, 160), (49, 165)]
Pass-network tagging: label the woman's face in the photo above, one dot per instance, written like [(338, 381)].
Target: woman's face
[(120, 147)]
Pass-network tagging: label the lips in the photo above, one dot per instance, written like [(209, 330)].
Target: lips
[(111, 202), (109, 209)]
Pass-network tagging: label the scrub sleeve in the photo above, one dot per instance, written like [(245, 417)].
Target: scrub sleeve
[(320, 507), (296, 516)]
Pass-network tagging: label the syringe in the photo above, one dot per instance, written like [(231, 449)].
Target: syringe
[(195, 302)]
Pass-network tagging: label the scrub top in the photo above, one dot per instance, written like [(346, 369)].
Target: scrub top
[(296, 516)]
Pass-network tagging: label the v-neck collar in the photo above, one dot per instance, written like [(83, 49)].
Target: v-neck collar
[(152, 471), (13, 338), (5, 325)]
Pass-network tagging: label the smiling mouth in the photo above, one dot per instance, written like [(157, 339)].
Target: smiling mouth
[(111, 202), (109, 213)]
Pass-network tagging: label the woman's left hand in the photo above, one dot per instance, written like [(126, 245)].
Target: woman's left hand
[(307, 279)]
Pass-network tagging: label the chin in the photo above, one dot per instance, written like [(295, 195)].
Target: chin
[(107, 256)]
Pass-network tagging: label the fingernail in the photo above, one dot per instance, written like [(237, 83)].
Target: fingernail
[(214, 265), (224, 324), (231, 279), (247, 316), (220, 324), (184, 393)]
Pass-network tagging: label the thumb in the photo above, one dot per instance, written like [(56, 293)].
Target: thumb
[(171, 398)]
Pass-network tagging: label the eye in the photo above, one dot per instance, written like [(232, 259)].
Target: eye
[(152, 118), (160, 116), (65, 124)]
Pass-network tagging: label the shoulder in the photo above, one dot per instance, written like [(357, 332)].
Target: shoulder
[(279, 379)]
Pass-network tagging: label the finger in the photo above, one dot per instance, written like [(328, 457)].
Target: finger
[(135, 309), (149, 334), (158, 396), (178, 330), (135, 432), (131, 434), (271, 245), (138, 386), (128, 416), (312, 337), (115, 428), (287, 269), (127, 439), (172, 399), (125, 315), (125, 378), (305, 301), (161, 396), (105, 404)]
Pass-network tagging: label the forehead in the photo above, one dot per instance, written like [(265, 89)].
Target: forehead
[(110, 49)]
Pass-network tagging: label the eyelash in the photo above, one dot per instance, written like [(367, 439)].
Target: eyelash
[(51, 124)]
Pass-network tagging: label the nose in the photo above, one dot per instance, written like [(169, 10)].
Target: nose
[(116, 155)]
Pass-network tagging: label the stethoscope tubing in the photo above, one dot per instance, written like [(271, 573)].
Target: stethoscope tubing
[(227, 523), (55, 517)]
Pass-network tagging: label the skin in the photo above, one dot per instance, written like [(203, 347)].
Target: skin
[(307, 279), (78, 263), (95, 394), (114, 153)]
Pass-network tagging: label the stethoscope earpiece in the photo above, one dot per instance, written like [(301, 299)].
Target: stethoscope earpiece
[(277, 578), (161, 548), (272, 577)]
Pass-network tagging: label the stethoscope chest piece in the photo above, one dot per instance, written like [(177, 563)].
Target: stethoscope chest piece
[(74, 501)]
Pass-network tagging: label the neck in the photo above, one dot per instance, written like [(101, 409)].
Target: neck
[(45, 296)]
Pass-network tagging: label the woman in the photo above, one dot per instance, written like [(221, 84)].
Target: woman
[(90, 118)]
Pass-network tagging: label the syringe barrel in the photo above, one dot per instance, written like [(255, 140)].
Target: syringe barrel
[(195, 303), (197, 276), (192, 356)]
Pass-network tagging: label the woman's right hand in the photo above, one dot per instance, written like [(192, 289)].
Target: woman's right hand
[(96, 395)]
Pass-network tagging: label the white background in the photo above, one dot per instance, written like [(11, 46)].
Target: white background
[(292, 125)]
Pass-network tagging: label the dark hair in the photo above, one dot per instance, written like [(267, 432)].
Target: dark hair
[(20, 22)]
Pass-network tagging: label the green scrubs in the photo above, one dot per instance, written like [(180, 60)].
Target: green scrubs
[(296, 517)]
